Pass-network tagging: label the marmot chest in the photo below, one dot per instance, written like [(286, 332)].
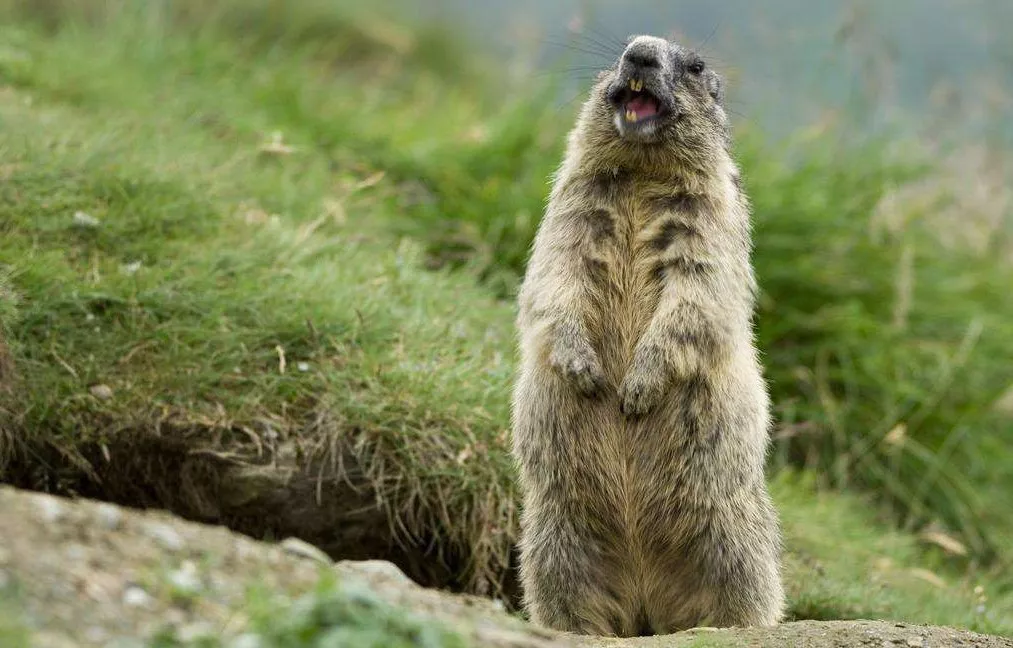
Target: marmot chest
[(632, 238)]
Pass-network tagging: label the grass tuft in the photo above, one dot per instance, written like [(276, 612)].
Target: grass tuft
[(333, 614)]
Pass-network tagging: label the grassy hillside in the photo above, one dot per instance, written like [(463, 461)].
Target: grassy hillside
[(256, 231)]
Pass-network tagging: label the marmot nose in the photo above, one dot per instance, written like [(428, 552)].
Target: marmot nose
[(642, 55)]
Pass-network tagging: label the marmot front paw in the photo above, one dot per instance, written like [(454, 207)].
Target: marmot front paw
[(579, 364), (641, 390)]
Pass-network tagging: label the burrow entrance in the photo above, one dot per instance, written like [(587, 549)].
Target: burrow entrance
[(341, 516)]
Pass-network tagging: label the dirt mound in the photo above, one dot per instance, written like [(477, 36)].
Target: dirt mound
[(86, 573), (76, 573), (816, 634)]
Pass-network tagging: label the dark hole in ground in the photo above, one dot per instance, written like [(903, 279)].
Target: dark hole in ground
[(341, 517)]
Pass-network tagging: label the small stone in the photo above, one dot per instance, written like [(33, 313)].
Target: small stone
[(916, 642), (243, 550), (378, 567), (82, 219), (98, 590), (53, 639), (62, 590), (191, 632), (134, 596), (75, 553), (303, 366), (109, 517), (186, 579), (50, 509), (165, 536), (96, 635), (217, 582), (101, 392), (131, 268), (302, 549), (247, 640)]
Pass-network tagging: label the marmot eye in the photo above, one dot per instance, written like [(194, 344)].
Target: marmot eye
[(696, 67)]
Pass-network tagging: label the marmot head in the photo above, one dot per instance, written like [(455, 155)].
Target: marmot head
[(658, 103)]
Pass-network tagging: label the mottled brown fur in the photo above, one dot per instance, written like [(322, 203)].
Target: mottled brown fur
[(640, 413)]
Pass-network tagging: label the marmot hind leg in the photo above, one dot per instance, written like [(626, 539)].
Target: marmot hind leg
[(730, 577), (565, 587)]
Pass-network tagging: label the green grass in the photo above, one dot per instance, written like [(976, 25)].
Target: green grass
[(212, 261), (845, 562), (867, 332), (334, 614), (12, 631)]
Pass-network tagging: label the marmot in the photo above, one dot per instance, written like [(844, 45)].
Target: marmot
[(640, 413)]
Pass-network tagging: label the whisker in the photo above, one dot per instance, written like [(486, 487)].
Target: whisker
[(714, 31), (570, 102), (589, 73), (597, 44), (582, 46), (600, 29), (575, 48), (610, 41), (582, 68), (582, 39)]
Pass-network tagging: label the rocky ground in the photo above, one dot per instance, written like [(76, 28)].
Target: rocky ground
[(83, 573)]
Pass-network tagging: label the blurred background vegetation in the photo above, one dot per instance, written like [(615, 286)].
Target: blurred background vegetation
[(876, 146), (875, 143)]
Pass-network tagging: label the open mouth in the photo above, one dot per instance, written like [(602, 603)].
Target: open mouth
[(636, 104)]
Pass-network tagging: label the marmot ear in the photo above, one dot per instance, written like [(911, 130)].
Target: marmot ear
[(715, 86)]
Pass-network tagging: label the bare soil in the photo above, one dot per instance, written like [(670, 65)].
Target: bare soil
[(816, 634)]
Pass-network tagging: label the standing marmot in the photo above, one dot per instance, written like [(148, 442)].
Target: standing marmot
[(640, 413)]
